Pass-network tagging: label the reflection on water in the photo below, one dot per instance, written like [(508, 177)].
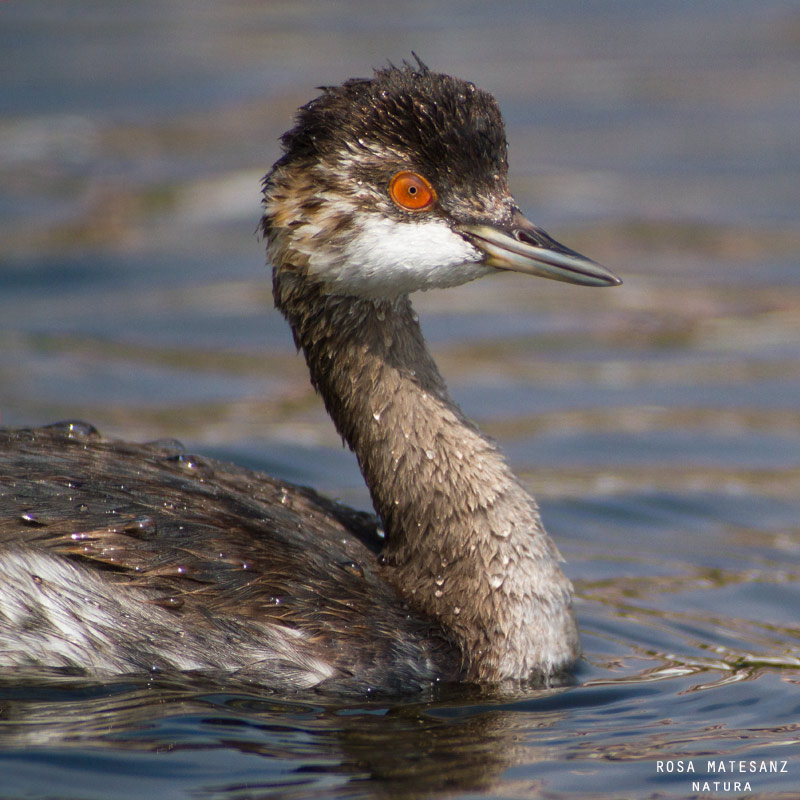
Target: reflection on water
[(225, 741), (658, 423)]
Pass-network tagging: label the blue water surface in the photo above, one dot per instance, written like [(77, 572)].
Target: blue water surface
[(657, 423)]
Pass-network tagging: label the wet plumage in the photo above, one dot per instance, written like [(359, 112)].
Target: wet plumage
[(120, 557)]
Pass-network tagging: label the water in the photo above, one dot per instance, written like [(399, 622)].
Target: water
[(657, 423)]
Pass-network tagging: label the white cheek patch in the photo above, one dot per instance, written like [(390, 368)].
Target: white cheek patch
[(387, 258)]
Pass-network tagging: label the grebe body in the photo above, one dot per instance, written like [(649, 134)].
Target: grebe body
[(120, 558)]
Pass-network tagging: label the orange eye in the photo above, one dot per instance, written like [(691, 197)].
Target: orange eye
[(411, 191)]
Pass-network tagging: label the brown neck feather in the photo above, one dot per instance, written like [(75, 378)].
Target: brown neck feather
[(464, 543)]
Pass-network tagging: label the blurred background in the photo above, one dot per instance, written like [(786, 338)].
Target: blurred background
[(662, 140), (658, 423)]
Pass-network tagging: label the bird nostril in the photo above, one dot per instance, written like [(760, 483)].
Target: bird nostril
[(524, 237)]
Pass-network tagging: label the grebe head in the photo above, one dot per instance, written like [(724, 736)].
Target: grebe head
[(398, 183)]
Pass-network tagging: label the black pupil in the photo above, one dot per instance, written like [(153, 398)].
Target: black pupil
[(412, 190)]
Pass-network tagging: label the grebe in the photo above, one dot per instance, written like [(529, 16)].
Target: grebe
[(119, 558)]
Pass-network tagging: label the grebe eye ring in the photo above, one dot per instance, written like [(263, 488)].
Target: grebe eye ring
[(411, 191)]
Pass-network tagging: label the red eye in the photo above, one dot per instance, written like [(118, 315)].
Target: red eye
[(411, 191)]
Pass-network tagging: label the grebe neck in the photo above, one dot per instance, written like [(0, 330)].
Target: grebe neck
[(464, 541)]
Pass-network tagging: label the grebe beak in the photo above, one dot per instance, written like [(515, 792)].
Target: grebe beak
[(522, 247)]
